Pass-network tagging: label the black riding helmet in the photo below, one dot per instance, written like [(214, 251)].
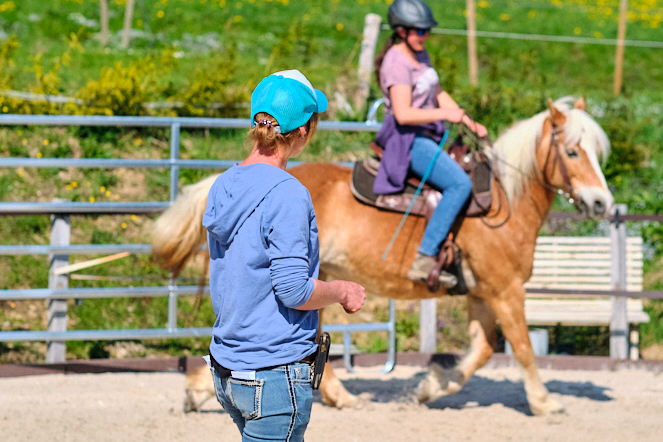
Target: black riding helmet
[(410, 14)]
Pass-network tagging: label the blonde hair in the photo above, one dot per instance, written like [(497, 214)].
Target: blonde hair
[(267, 138)]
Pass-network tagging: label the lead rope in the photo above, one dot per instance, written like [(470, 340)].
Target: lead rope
[(416, 194)]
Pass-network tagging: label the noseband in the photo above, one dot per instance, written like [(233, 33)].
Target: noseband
[(567, 189)]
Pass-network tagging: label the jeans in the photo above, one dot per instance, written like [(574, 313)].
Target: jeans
[(276, 406), (448, 177)]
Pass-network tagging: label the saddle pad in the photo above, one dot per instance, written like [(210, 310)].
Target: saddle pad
[(363, 176)]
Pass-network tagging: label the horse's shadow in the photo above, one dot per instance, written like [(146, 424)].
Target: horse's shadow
[(478, 392)]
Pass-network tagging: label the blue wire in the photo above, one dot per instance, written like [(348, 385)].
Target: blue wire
[(416, 194)]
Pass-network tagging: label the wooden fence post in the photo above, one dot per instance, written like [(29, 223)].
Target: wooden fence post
[(366, 57), (128, 18), (57, 308), (619, 321), (103, 17), (428, 325), (472, 43), (619, 57)]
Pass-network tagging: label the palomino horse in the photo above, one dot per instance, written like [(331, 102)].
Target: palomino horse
[(556, 149)]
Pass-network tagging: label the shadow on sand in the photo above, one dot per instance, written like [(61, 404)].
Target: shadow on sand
[(479, 391)]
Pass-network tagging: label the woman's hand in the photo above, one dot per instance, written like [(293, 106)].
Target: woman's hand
[(354, 296)]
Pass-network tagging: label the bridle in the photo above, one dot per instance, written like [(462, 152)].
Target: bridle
[(567, 190)]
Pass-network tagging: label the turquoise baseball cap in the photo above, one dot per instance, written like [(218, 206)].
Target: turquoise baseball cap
[(289, 97)]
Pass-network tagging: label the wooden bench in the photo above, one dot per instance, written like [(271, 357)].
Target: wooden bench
[(581, 263)]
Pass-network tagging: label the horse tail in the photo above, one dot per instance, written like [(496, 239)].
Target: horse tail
[(179, 232)]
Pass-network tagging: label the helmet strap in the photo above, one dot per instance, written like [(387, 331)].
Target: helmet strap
[(407, 43)]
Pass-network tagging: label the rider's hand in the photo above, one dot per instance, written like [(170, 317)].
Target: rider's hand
[(475, 127), (353, 296)]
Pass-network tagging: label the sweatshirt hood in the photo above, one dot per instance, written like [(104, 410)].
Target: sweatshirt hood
[(235, 195)]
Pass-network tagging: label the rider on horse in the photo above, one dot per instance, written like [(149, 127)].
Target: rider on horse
[(416, 111)]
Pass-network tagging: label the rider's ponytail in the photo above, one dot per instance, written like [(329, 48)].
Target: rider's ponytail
[(392, 40)]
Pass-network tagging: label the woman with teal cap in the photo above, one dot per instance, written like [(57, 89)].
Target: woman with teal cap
[(264, 262)]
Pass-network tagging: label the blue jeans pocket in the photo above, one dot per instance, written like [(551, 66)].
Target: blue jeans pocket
[(246, 396)]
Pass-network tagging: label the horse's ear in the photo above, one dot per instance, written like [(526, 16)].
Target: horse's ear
[(557, 117), (580, 104)]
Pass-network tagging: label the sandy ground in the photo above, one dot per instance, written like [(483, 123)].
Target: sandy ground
[(601, 406)]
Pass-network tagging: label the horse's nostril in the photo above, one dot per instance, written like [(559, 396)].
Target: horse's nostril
[(599, 207)]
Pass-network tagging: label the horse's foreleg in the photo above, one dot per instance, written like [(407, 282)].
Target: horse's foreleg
[(443, 381), (332, 390), (510, 311)]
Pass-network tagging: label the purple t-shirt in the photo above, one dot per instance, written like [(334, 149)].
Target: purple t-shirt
[(396, 139), (397, 69)]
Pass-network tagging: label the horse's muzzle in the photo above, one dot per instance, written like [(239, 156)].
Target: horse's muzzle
[(595, 202)]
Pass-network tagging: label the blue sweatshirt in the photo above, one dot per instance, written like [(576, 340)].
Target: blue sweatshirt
[(263, 244)]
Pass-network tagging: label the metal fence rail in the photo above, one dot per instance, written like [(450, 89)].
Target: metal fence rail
[(60, 249)]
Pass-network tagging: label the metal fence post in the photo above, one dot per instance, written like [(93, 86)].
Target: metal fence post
[(174, 156), (57, 308), (174, 184), (428, 325), (619, 320)]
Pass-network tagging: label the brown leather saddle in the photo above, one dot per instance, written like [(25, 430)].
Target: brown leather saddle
[(478, 167)]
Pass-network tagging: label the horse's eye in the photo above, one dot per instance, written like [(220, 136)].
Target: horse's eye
[(571, 153)]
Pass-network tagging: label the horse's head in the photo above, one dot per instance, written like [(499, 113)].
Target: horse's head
[(568, 155)]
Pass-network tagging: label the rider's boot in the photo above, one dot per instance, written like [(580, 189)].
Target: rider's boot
[(423, 265)]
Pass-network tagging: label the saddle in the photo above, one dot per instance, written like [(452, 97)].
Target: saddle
[(475, 164)]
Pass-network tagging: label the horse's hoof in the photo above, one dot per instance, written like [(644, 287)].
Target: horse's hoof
[(429, 389), (347, 401), (547, 408)]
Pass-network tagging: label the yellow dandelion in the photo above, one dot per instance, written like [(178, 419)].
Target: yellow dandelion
[(39, 155), (124, 225), (108, 193), (116, 196), (339, 26), (5, 109), (18, 132), (597, 34), (20, 174), (92, 199), (139, 22), (531, 14), (74, 184), (102, 189), (133, 217), (160, 14), (46, 142), (68, 187), (25, 142), (577, 31), (483, 4), (237, 18), (307, 17), (505, 17)]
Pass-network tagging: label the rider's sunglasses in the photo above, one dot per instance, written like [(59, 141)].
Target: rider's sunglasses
[(421, 32)]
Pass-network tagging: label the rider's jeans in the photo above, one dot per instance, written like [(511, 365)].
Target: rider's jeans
[(446, 176), (276, 406)]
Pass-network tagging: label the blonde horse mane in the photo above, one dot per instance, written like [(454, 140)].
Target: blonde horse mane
[(516, 148), (179, 232)]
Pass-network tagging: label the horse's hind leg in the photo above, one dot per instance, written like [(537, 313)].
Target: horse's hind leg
[(510, 311), (442, 381), (332, 390)]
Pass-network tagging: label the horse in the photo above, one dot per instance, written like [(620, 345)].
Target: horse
[(555, 151)]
